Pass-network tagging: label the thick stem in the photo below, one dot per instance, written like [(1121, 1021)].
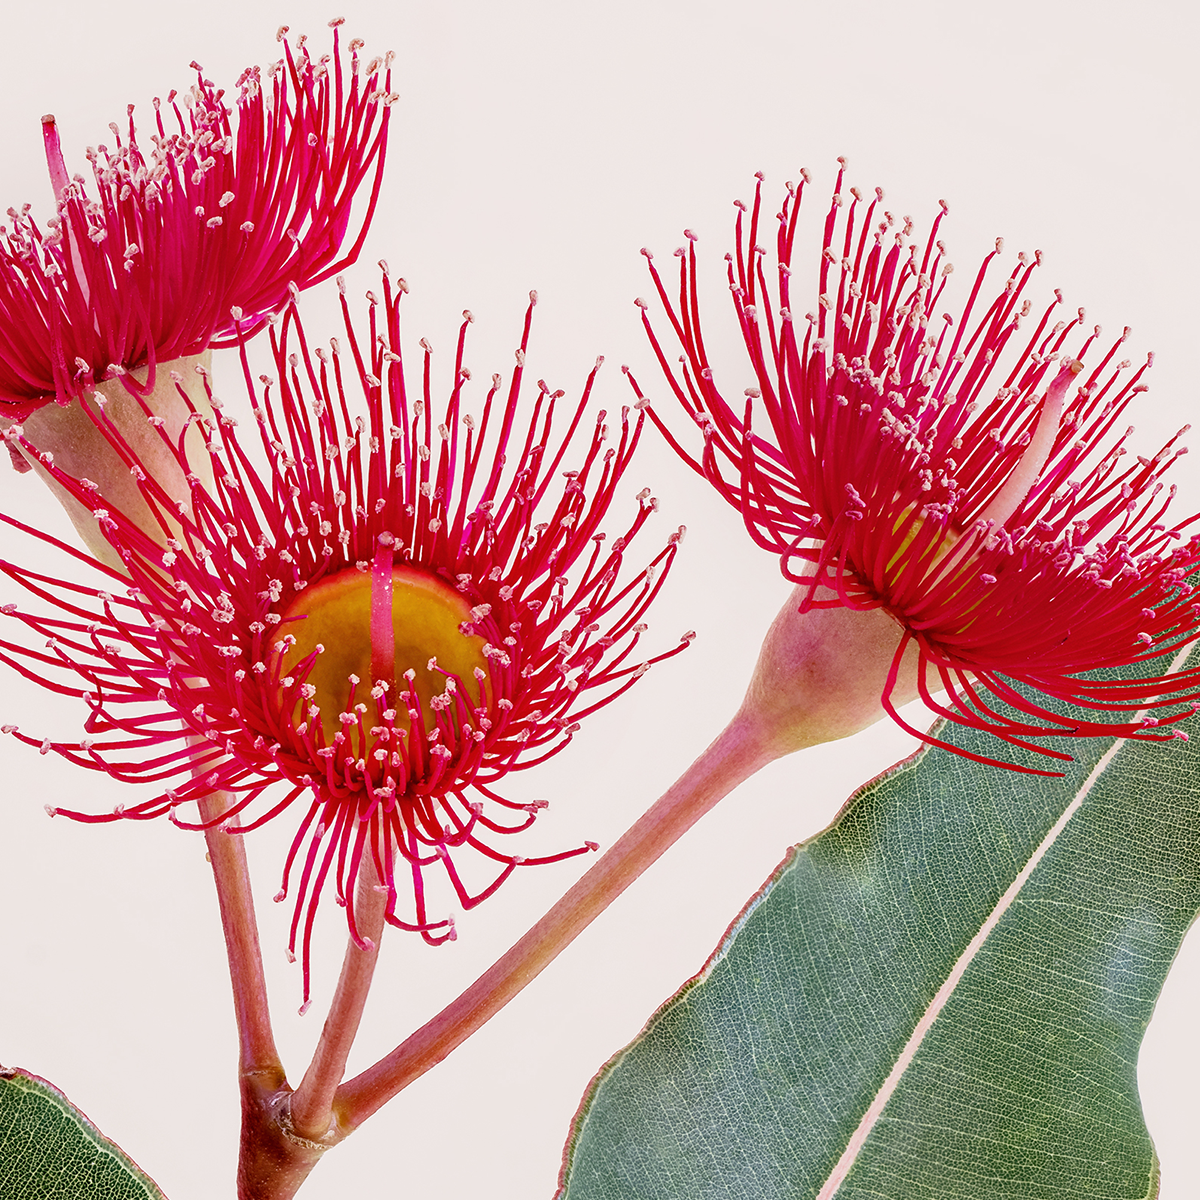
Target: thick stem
[(735, 755), (273, 1161), (227, 854), (312, 1102)]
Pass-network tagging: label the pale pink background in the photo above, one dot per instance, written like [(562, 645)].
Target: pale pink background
[(540, 145)]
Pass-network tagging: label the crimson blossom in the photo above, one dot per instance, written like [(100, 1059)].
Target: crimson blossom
[(957, 472), (378, 626), (211, 217)]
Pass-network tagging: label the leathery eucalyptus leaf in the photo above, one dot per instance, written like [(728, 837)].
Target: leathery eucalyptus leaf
[(50, 1151), (942, 994)]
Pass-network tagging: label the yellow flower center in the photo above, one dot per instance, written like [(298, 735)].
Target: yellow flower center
[(335, 613)]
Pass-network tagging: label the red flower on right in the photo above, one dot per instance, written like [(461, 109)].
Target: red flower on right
[(958, 471)]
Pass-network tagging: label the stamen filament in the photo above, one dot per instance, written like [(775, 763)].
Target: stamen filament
[(59, 179)]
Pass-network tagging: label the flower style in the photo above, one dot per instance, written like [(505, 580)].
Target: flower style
[(957, 472), (211, 218), (380, 622)]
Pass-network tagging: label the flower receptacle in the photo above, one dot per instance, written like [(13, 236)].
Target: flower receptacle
[(74, 437), (821, 673)]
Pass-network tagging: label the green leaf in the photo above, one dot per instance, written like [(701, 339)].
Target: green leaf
[(50, 1151), (941, 995)]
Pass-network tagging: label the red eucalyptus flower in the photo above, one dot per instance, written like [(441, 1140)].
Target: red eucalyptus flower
[(147, 269), (379, 626), (957, 471)]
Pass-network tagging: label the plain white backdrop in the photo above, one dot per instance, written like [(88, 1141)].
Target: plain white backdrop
[(540, 145)]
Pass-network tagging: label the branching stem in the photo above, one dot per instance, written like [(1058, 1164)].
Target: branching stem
[(735, 755), (272, 1163)]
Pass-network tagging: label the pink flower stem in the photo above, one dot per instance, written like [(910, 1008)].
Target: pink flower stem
[(270, 1164), (312, 1102), (739, 751), (227, 853)]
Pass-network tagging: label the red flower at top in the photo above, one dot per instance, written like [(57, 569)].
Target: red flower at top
[(210, 219), (957, 471)]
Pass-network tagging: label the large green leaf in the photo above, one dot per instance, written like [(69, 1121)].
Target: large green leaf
[(941, 995), (50, 1151)]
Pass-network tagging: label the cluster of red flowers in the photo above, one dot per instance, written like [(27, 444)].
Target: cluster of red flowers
[(958, 471), (384, 607), (205, 675), (217, 214)]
